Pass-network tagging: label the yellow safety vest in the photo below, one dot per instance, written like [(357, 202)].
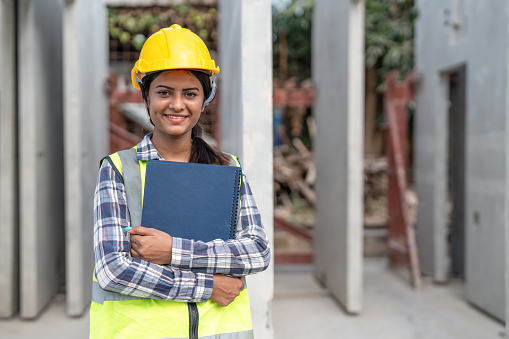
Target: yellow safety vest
[(115, 315)]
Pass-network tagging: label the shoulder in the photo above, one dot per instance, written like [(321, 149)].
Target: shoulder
[(111, 168)]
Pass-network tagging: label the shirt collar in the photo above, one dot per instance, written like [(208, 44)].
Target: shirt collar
[(145, 150)]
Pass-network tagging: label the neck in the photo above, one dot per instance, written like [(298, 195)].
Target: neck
[(173, 148)]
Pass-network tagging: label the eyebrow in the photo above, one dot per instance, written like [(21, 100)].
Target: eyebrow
[(184, 89)]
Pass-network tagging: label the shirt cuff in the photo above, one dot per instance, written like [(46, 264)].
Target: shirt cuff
[(181, 253), (204, 287)]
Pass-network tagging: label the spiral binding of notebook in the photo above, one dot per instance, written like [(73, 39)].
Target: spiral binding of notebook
[(235, 203)]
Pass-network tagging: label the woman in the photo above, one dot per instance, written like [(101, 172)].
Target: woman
[(148, 284)]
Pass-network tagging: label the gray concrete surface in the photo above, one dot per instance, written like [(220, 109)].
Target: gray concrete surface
[(245, 111), (450, 35), (303, 309), (8, 170), (391, 310), (40, 152), (338, 78), (86, 137)]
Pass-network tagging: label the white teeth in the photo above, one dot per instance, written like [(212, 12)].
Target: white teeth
[(174, 117)]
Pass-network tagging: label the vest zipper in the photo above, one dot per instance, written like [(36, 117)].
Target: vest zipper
[(193, 320)]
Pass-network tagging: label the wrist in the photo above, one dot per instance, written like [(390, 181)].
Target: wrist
[(182, 250)]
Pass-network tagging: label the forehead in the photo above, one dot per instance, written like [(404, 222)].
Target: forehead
[(177, 78)]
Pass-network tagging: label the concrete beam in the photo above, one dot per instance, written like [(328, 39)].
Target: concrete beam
[(245, 49)]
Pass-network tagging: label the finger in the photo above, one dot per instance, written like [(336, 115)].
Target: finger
[(134, 253), (139, 230), (135, 240)]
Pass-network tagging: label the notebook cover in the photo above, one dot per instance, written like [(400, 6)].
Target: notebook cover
[(192, 201)]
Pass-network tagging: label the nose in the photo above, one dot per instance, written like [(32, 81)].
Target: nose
[(177, 103)]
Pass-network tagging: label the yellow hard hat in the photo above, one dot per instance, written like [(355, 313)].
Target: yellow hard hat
[(172, 48)]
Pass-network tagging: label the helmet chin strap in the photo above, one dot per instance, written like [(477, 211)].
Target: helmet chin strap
[(212, 93), (140, 83)]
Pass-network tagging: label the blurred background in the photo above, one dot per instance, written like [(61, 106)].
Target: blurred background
[(373, 133)]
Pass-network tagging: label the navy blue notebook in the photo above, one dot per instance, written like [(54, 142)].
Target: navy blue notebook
[(192, 201)]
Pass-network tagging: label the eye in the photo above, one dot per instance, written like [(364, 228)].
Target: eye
[(191, 94), (163, 92)]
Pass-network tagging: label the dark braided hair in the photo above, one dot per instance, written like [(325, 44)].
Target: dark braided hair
[(201, 151)]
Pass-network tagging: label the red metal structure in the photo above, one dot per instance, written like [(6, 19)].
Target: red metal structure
[(296, 256), (401, 243)]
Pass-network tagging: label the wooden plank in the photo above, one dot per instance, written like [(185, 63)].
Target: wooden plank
[(293, 257), (299, 231)]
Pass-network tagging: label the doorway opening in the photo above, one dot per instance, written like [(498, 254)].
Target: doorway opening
[(456, 170)]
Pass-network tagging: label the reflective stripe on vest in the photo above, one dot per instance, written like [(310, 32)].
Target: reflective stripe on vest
[(114, 315)]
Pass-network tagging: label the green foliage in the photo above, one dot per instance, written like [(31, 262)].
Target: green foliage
[(390, 35), (124, 26), (134, 25), (389, 39), (295, 21)]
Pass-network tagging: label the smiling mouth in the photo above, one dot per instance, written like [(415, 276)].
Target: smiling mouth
[(175, 116)]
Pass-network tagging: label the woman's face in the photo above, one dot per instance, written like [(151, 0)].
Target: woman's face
[(175, 102)]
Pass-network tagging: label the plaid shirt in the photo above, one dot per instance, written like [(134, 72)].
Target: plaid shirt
[(189, 277)]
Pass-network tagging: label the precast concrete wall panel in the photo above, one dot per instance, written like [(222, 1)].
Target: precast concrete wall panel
[(8, 176), (450, 35), (40, 153), (338, 73), (245, 50), (486, 151), (85, 137), (230, 81)]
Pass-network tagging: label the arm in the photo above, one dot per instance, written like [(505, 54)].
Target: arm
[(117, 271), (247, 254)]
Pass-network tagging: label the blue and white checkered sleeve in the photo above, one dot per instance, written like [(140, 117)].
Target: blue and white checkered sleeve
[(247, 254), (116, 270)]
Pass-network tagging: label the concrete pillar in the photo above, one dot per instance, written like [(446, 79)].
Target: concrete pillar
[(8, 175), (40, 152), (245, 93), (338, 73), (85, 65)]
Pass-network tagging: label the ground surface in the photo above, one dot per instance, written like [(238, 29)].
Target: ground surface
[(392, 310), (302, 309)]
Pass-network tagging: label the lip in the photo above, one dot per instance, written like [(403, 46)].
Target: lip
[(176, 118), (176, 115)]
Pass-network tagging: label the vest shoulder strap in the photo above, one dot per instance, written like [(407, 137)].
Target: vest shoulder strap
[(234, 160), (132, 183)]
